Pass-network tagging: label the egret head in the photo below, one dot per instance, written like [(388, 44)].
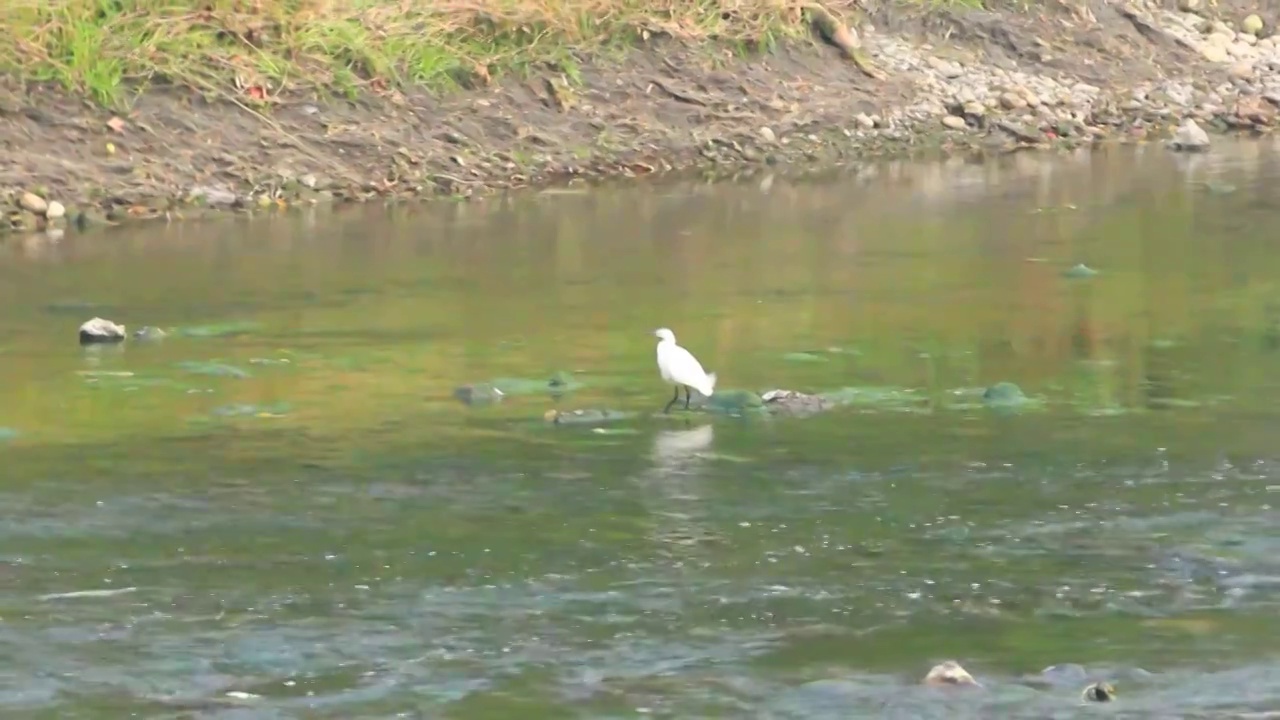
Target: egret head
[(665, 334)]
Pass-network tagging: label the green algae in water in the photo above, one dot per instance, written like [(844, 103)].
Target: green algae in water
[(219, 330), (731, 401), (560, 382), (251, 410), (885, 397), (807, 357)]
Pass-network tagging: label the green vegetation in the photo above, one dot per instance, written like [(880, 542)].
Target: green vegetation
[(254, 49)]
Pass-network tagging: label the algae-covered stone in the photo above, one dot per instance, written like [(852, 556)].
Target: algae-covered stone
[(731, 402), (1079, 271), (1004, 394)]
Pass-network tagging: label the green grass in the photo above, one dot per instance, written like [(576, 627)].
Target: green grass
[(255, 49)]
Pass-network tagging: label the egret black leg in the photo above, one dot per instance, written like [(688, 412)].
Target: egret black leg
[(688, 395), (674, 400)]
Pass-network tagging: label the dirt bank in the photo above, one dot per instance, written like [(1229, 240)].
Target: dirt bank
[(922, 81)]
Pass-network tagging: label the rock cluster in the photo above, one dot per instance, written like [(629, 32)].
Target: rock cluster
[(1032, 108)]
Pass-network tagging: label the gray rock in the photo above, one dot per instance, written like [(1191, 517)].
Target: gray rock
[(213, 195), (99, 330), (954, 123), (1189, 137)]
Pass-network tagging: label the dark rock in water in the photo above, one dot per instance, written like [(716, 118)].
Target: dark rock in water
[(478, 394), (1099, 692), (99, 330), (148, 333), (791, 402), (586, 417)]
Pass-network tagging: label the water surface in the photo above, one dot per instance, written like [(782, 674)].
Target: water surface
[(282, 509)]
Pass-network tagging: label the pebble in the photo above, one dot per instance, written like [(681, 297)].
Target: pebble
[(768, 135), (1012, 101), (1251, 25), (1214, 53), (954, 122), (865, 121), (55, 210), (33, 203)]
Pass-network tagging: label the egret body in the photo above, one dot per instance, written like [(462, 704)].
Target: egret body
[(679, 367)]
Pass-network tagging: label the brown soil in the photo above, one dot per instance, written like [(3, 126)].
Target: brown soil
[(666, 107)]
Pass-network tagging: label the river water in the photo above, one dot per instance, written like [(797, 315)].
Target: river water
[(282, 510)]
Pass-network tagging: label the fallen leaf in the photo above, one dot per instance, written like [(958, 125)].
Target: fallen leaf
[(116, 124), (256, 92)]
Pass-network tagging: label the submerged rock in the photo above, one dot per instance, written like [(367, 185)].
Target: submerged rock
[(1079, 271), (483, 393), (794, 403), (149, 333), (219, 330), (588, 416), (478, 394), (949, 673), (212, 368), (99, 330), (1189, 137)]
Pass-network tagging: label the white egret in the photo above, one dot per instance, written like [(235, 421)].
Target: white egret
[(680, 367)]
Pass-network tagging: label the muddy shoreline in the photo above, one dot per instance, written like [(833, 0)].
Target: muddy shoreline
[(925, 83)]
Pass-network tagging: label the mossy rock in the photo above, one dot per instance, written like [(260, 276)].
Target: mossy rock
[(732, 402), (1005, 395)]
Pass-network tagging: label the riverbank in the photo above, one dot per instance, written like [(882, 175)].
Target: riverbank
[(265, 108)]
